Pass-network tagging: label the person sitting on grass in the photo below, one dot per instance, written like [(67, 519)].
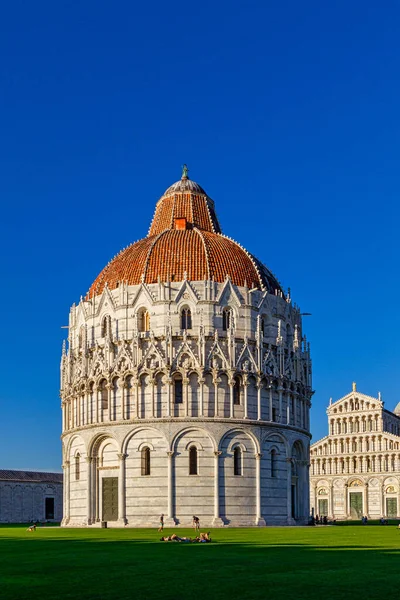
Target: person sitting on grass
[(175, 538), (203, 537), (32, 527)]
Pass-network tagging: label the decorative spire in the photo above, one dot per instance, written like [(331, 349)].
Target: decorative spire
[(185, 172), (354, 386)]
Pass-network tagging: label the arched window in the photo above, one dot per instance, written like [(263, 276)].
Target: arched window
[(145, 461), (236, 391), (227, 320), (186, 318), (178, 390), (77, 467), (193, 460), (237, 461), (273, 463), (105, 326), (143, 320)]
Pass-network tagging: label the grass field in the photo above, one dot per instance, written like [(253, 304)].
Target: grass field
[(292, 563)]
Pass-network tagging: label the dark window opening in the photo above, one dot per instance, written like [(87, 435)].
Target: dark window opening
[(186, 319), (226, 319), (77, 467), (49, 508), (236, 391), (192, 460), (178, 391), (145, 461), (273, 463), (237, 461)]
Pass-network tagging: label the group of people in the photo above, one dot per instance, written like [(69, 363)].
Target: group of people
[(320, 520), (202, 537)]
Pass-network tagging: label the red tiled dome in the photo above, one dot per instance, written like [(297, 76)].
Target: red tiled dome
[(185, 240)]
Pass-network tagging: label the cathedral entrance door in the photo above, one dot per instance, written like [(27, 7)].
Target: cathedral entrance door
[(110, 498), (323, 507), (391, 507), (356, 505)]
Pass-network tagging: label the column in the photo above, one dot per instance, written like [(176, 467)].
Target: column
[(245, 407), (63, 416), (169, 387), (366, 504), (121, 490), (109, 389), (96, 393), (185, 383), (97, 484), (280, 405), (89, 461), (170, 521), (288, 409), (152, 384), (346, 500), (316, 508), (270, 402), (231, 406), (217, 521), (331, 497), (87, 395), (289, 491), (136, 384), (295, 402), (66, 468), (259, 389), (201, 402), (216, 412), (383, 511), (123, 387), (260, 522)]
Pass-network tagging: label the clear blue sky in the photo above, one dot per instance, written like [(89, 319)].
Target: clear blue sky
[(287, 113)]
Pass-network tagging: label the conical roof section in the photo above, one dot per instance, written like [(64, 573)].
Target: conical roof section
[(185, 242), (186, 200)]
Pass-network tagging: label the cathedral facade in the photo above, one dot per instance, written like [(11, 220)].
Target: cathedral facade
[(186, 383), (355, 470)]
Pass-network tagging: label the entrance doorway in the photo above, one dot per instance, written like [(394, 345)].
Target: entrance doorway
[(110, 498), (49, 509), (294, 500), (356, 505), (391, 507), (323, 507)]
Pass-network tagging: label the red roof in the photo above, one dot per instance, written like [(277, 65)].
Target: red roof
[(184, 240)]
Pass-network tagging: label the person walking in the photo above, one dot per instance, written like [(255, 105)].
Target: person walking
[(161, 528), (196, 523)]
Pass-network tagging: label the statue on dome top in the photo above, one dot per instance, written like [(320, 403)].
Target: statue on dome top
[(185, 172)]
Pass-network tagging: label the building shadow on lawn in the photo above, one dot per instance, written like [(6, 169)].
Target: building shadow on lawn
[(139, 568)]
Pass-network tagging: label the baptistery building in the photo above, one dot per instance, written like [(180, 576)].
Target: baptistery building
[(186, 382)]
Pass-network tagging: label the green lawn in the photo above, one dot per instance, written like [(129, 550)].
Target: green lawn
[(312, 562)]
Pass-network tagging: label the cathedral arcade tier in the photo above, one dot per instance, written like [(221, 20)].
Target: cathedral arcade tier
[(186, 383), (355, 470)]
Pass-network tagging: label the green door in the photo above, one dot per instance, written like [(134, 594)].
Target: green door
[(391, 507), (110, 498), (323, 507), (356, 505)]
